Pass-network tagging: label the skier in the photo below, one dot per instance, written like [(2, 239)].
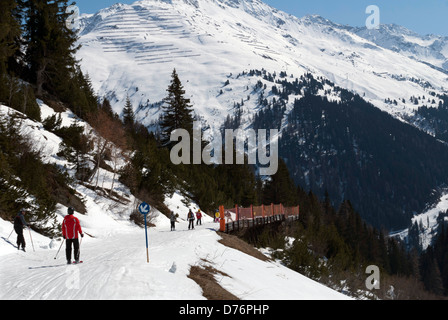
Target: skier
[(190, 218), (217, 215), (173, 221), (199, 217), (19, 224), (70, 229)]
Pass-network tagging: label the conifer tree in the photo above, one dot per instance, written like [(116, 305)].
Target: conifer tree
[(80, 94), (128, 115), (50, 45), (10, 31), (281, 188), (178, 113)]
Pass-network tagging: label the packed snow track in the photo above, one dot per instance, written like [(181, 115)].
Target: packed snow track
[(115, 267)]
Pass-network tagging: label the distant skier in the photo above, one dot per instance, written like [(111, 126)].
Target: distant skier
[(190, 218), (217, 215), (70, 229), (19, 224), (199, 218), (173, 221)]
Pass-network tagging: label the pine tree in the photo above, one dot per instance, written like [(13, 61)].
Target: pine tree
[(10, 33), (50, 45), (79, 94), (178, 113), (281, 188), (430, 272), (128, 115)]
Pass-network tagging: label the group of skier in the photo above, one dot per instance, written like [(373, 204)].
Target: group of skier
[(71, 229), (191, 217)]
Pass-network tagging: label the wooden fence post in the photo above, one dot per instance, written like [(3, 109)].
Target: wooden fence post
[(222, 222)]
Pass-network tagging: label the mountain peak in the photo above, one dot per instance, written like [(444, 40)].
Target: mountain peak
[(315, 18), (138, 43), (196, 3), (430, 49), (311, 20)]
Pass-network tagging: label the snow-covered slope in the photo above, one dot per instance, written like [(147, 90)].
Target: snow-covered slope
[(428, 224), (431, 49), (115, 267), (114, 252), (132, 50)]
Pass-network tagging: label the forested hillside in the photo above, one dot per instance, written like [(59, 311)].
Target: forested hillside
[(333, 140)]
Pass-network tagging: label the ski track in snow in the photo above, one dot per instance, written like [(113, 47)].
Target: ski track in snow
[(115, 267)]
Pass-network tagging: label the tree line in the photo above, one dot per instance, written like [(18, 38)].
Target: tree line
[(37, 58)]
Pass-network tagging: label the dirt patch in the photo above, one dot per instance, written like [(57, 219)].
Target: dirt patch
[(204, 276), (236, 243)]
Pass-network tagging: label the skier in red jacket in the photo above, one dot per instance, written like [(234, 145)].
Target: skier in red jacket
[(70, 229), (199, 217)]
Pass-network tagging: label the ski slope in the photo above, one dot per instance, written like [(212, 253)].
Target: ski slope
[(115, 267), (114, 250)]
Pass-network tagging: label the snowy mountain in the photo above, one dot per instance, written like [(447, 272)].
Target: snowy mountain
[(430, 49), (132, 49)]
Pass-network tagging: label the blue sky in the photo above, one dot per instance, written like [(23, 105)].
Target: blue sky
[(421, 16)]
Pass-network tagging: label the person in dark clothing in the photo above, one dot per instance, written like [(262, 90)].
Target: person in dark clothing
[(190, 218), (70, 229), (19, 224), (173, 221)]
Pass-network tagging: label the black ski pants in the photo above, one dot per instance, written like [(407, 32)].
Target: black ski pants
[(68, 249), (20, 237)]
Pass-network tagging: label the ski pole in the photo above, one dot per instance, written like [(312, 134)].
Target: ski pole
[(11, 233), (59, 249), (79, 252), (29, 229)]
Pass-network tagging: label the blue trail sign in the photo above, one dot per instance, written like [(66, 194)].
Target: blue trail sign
[(144, 209)]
